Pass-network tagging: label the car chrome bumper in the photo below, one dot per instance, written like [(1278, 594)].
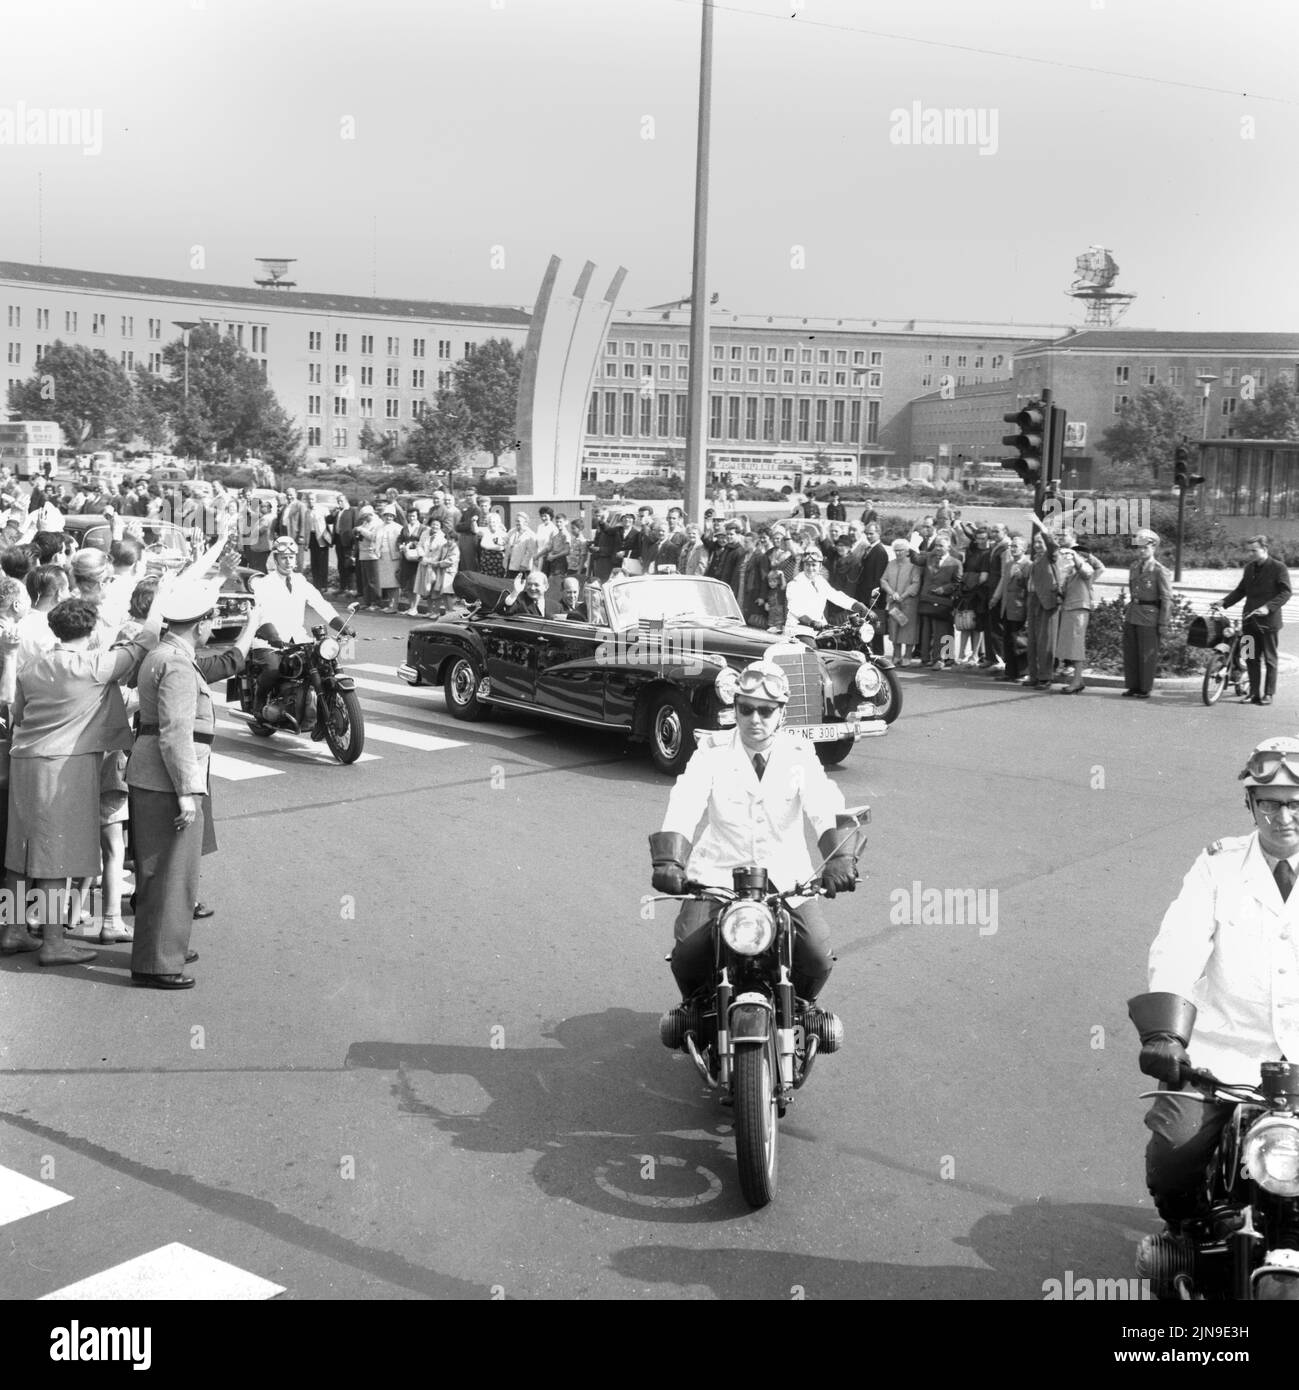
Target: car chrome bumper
[(407, 673), (832, 733)]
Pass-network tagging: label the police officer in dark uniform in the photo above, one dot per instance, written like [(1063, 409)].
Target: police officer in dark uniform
[(1147, 617)]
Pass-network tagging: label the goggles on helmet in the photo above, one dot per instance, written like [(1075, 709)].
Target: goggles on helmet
[(1266, 764), (766, 680), (285, 546)]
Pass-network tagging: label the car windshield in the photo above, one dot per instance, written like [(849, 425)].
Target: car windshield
[(169, 540), (667, 597)]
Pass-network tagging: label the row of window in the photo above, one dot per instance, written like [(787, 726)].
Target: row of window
[(962, 360), (99, 326), (392, 376), (1227, 406), (418, 346), (365, 407), (338, 437), (1230, 376), (772, 376), (628, 415), (738, 352)]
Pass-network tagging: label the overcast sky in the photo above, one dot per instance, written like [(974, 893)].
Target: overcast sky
[(393, 144)]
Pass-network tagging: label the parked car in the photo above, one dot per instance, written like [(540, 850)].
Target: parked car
[(329, 497), (657, 661)]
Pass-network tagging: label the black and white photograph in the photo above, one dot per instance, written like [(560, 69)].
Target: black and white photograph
[(543, 545)]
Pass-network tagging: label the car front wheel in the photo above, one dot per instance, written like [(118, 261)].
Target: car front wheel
[(671, 732), (461, 688)]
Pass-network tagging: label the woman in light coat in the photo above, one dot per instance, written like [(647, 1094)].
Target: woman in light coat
[(901, 585), (389, 548), (1078, 571), (438, 568)]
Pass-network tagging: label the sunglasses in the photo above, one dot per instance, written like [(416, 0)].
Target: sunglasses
[(1273, 810), (745, 709), (1267, 764)]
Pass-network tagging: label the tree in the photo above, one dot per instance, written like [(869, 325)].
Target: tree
[(376, 444), (1148, 429), (444, 434), (1273, 415), (487, 386), (83, 389)]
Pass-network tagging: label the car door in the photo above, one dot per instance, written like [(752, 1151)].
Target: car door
[(570, 675), (512, 645)]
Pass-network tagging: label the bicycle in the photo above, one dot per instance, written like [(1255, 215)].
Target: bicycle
[(1227, 664)]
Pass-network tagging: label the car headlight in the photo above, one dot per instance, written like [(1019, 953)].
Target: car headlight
[(329, 648), (726, 683), (1270, 1155), (868, 681), (748, 928)]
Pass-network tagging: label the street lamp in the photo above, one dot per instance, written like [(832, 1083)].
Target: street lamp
[(864, 373), (185, 325), (1205, 379)]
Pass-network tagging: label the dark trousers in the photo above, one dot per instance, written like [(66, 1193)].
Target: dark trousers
[(1183, 1135), (167, 863), (369, 581), (1263, 648), (692, 956), (1042, 623), (319, 565), (1140, 657), (346, 566), (990, 625), (1010, 630), (936, 638)]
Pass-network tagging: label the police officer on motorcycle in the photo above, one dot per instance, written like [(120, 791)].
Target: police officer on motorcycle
[(1225, 965), (284, 597), (753, 788)]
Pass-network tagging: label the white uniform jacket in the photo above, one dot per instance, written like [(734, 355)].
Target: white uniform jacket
[(751, 821), (287, 607), (1231, 946)]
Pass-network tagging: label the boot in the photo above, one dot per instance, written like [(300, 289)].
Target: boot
[(1075, 685), (56, 951), (15, 939)]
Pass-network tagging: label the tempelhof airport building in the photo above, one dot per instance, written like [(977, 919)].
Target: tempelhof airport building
[(779, 386)]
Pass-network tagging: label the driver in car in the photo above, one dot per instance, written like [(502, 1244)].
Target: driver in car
[(809, 591), (754, 788), (283, 596)]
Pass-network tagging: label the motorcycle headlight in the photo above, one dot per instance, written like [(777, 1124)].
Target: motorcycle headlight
[(329, 649), (1270, 1155), (868, 681), (748, 928), (725, 685), (866, 632)]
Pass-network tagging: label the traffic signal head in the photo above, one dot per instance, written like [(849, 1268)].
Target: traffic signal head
[(1029, 442), (1182, 475)]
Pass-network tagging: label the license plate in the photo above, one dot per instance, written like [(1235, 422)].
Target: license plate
[(832, 733)]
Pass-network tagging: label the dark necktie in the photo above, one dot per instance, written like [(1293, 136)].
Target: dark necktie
[(760, 766), (288, 582), (1284, 876)]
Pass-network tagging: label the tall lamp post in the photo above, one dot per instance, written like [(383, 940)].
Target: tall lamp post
[(1205, 379), (862, 372), (185, 325)]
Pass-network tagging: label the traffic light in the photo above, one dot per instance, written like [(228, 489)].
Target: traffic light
[(1182, 476), (1030, 442)]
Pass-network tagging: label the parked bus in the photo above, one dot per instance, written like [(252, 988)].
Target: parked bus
[(30, 448)]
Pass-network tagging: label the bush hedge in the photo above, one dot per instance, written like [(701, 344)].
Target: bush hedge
[(1105, 639)]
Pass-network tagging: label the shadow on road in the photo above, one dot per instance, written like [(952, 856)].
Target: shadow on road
[(620, 1126), (1021, 1250)]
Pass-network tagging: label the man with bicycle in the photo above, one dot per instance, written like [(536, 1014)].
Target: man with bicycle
[(754, 788), (1225, 965), (1265, 587)]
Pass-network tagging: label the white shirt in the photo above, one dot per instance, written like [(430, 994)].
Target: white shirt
[(286, 607), (1231, 946), (34, 636), (751, 821), (807, 598)]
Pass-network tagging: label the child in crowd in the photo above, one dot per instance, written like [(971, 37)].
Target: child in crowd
[(774, 604)]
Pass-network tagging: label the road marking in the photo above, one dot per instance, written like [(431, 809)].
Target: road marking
[(423, 743), (425, 694), (235, 770), (295, 743), (173, 1271), (644, 1199), (23, 1196), (493, 727), (374, 666)]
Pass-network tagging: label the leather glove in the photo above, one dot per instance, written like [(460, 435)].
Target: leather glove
[(1163, 1056), (1164, 1023), (840, 872), (860, 608), (669, 852)]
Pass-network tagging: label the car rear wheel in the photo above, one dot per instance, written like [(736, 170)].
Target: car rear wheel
[(671, 731), (461, 688)]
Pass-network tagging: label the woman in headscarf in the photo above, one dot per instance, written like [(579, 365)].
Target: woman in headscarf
[(491, 545), (939, 582), (900, 584)]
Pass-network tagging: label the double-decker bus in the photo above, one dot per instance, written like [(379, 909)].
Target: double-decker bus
[(30, 448), (793, 471), (609, 463)]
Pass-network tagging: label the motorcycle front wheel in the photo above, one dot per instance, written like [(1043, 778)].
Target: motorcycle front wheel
[(344, 724), (1216, 674), (756, 1126), (890, 711)]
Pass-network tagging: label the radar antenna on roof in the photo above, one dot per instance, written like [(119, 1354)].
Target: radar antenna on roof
[(275, 268), (1097, 271)]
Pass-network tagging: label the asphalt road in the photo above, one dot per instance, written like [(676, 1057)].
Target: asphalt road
[(422, 1058)]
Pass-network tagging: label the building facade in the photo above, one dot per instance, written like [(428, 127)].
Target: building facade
[(336, 363)]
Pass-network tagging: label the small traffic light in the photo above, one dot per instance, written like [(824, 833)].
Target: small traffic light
[(1182, 476), (1030, 442)]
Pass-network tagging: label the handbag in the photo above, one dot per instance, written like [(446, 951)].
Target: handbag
[(411, 551), (965, 620)]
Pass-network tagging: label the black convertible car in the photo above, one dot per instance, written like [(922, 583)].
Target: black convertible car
[(654, 656)]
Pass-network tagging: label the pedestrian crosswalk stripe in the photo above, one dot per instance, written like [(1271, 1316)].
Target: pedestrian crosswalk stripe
[(234, 770), (23, 1196), (492, 727), (295, 743), (425, 694), (380, 733), (173, 1271), (375, 666)]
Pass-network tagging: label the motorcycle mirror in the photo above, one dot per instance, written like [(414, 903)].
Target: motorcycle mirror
[(352, 607), (861, 814)]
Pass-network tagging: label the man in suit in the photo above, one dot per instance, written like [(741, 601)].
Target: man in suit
[(1146, 620), (834, 509), (528, 598), (754, 786), (725, 561), (1265, 587), (167, 781), (570, 600), (875, 560)]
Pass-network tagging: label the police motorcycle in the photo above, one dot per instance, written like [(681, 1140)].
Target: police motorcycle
[(854, 633), (1246, 1245), (311, 695), (749, 1036)]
